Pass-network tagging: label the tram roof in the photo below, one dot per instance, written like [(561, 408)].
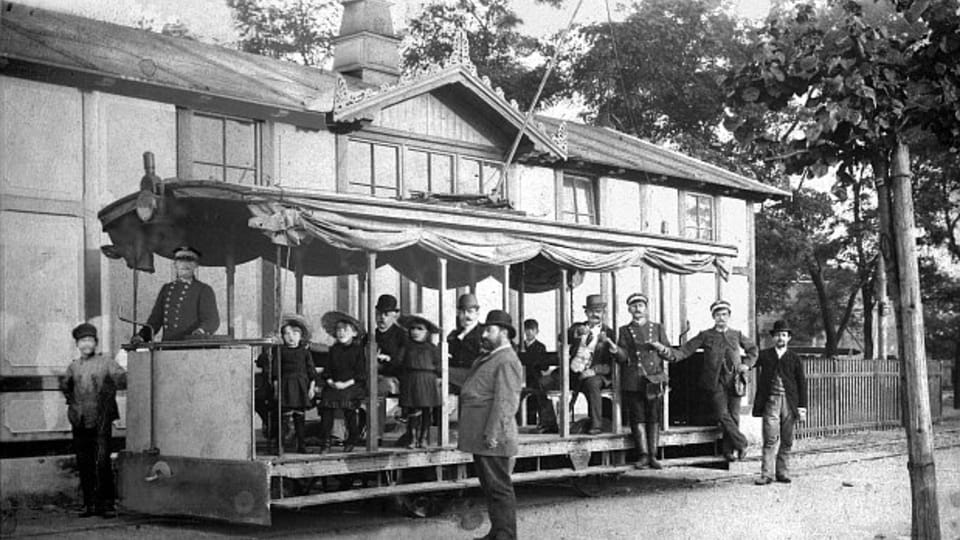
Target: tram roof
[(242, 223)]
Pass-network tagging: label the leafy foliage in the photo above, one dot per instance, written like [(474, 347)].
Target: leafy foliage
[(295, 30)]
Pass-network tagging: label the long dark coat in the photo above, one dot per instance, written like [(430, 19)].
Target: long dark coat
[(180, 309)]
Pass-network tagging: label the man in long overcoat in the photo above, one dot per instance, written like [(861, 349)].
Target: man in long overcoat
[(488, 428)]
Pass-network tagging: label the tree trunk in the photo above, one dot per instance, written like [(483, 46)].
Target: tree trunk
[(826, 309), (881, 304), (918, 422), (866, 295)]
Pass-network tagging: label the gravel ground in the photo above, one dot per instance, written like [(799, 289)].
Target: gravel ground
[(844, 487)]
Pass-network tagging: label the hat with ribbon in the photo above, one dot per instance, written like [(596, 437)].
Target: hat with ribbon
[(637, 297), (595, 301), (780, 326), (498, 317), (297, 321), (407, 321), (387, 302), (186, 253), (330, 320), (719, 304)]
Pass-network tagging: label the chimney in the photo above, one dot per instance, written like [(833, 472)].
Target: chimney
[(367, 47)]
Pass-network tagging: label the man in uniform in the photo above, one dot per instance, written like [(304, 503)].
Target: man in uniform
[(642, 379), (488, 429), (185, 307), (591, 361), (722, 364), (465, 340)]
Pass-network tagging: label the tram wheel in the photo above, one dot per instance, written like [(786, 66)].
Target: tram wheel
[(420, 505), (593, 485)]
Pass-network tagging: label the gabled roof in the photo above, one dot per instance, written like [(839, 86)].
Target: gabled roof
[(602, 145), (351, 106)]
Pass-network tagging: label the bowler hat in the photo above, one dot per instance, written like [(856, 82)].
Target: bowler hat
[(637, 297), (595, 301), (467, 301), (719, 304), (330, 320), (407, 321), (387, 302), (502, 319), (297, 321), (85, 330), (186, 253), (780, 326)]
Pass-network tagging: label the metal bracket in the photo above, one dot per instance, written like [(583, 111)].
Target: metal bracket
[(580, 459)]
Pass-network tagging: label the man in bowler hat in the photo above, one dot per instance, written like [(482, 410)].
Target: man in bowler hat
[(781, 401), (186, 307), (90, 387), (465, 340), (722, 364), (488, 429)]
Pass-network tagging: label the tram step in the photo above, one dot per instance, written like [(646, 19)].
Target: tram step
[(446, 485)]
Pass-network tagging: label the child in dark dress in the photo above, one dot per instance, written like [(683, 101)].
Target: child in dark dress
[(419, 369), (344, 373), (297, 377)]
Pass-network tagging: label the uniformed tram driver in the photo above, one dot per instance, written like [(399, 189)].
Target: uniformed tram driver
[(185, 308)]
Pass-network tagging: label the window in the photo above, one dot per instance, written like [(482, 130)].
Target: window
[(428, 171), (373, 169), (698, 216), (225, 149), (579, 200), (477, 176)]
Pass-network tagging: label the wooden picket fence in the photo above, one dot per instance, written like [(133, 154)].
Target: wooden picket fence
[(847, 394)]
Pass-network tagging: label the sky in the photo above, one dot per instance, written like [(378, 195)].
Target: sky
[(210, 19)]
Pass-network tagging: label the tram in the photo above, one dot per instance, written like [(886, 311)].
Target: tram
[(193, 444)]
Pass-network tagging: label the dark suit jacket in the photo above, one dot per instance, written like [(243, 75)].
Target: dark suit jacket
[(602, 358), (632, 353), (721, 355), (534, 360), (180, 309), (790, 368), (464, 352)]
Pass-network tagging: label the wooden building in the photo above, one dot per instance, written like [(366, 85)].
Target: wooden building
[(81, 100)]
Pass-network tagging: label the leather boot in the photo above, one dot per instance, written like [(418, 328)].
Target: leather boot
[(413, 427), (653, 442), (640, 441), (298, 428), (424, 431)]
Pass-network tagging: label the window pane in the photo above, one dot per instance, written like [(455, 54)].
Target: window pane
[(415, 177), (386, 193), (385, 166), (208, 139), (569, 204), (441, 173), (491, 176), (207, 172), (692, 213), (241, 144), (241, 176), (706, 216), (583, 194), (358, 169), (468, 179)]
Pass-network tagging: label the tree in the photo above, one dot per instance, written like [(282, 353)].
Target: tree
[(299, 31), (497, 47)]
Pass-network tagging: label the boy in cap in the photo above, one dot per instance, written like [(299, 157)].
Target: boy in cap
[(643, 378), (488, 429), (781, 400), (722, 364), (185, 307), (90, 386), (464, 341)]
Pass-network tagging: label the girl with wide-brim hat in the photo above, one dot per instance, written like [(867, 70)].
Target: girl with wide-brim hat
[(419, 370), (344, 377), (330, 320)]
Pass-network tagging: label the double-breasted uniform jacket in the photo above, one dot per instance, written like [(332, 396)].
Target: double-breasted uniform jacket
[(721, 355), (464, 351), (638, 358), (489, 400), (602, 361), (181, 308), (790, 369), (90, 386)]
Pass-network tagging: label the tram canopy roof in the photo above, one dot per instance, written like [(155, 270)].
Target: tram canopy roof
[(330, 233)]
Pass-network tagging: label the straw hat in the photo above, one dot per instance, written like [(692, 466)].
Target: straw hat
[(418, 318), (331, 318), (298, 321)]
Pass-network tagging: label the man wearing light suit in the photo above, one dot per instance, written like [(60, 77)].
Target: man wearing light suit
[(489, 399)]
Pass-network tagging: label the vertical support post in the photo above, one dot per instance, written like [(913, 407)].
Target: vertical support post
[(231, 271), (373, 416), (617, 412), (277, 315), (298, 278), (136, 289), (506, 292), (521, 303), (251, 388), (444, 353), (472, 277), (564, 357), (661, 281)]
